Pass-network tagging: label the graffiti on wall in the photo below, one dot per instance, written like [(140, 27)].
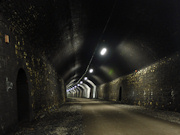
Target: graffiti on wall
[(9, 85)]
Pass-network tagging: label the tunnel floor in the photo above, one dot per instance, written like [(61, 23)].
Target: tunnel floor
[(81, 116)]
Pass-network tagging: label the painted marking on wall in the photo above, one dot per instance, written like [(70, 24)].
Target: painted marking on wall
[(9, 85)]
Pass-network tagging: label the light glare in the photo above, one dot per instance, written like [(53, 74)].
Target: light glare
[(91, 70), (103, 51)]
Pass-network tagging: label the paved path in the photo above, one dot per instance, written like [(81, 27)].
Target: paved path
[(79, 116), (103, 118)]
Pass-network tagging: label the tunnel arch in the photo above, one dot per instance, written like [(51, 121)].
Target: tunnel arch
[(71, 93), (78, 92), (93, 92), (83, 90), (23, 96), (86, 90)]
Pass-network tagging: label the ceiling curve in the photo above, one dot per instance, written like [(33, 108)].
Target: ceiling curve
[(71, 32)]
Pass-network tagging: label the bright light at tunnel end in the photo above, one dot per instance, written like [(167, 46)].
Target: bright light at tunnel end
[(103, 51)]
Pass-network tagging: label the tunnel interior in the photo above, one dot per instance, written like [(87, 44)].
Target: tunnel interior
[(69, 33), (22, 96), (88, 49)]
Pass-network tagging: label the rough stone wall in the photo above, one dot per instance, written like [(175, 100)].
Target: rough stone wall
[(155, 86), (7, 79), (109, 91), (46, 88)]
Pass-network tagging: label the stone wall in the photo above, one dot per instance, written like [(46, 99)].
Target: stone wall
[(155, 86), (45, 88)]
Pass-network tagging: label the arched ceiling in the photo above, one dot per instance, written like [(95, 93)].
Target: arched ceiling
[(138, 33)]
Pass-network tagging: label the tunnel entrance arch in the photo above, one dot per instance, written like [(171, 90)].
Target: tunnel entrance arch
[(23, 102), (120, 93)]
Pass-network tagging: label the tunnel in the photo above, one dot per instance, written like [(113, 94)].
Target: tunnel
[(90, 67)]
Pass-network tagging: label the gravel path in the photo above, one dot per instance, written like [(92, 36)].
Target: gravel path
[(65, 121)]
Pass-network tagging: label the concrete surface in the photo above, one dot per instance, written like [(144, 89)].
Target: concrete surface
[(103, 118)]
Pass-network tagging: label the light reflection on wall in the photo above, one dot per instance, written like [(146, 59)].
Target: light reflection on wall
[(93, 89), (136, 55), (109, 72), (97, 78), (72, 70), (70, 83), (86, 92)]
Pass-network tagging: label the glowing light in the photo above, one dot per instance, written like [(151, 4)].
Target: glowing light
[(78, 85), (103, 51), (81, 82), (75, 86), (85, 78), (91, 70)]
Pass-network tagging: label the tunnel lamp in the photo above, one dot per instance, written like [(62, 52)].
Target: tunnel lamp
[(78, 85), (75, 86), (85, 78), (103, 51), (81, 82), (91, 70)]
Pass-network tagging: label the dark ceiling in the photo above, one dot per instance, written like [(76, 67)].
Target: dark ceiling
[(136, 33)]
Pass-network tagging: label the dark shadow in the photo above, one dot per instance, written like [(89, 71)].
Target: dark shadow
[(120, 93), (22, 96), (91, 93)]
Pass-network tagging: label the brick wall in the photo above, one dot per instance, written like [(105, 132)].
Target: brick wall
[(155, 86), (45, 87)]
